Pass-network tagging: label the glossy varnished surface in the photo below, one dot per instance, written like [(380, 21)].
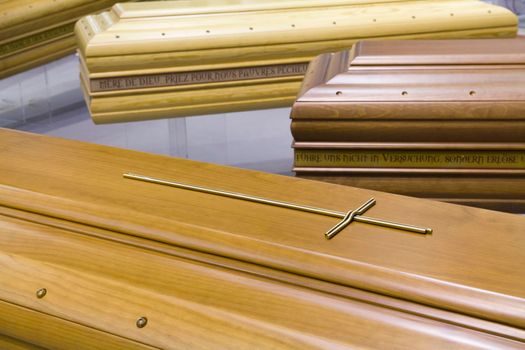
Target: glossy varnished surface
[(396, 79), (141, 42), (456, 52), (471, 264), (418, 96), (116, 283), (33, 32)]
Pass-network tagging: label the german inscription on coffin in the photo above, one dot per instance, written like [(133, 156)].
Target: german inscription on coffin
[(410, 159)]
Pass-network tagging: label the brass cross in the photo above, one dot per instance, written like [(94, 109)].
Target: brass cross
[(348, 218)]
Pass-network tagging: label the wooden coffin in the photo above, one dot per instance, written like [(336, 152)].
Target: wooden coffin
[(33, 32), (170, 59), (442, 119), (92, 260)]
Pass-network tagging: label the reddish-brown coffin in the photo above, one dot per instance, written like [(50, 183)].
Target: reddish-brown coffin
[(455, 109)]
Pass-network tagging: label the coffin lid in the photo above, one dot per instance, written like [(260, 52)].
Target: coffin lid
[(419, 79), (192, 7), (471, 264), (439, 52), (235, 24), (17, 11), (23, 18)]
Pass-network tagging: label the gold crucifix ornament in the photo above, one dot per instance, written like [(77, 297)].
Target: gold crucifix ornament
[(347, 218)]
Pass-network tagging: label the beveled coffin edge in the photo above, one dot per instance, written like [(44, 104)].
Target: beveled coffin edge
[(275, 95), (448, 326), (37, 56), (37, 18), (326, 74), (492, 306), (21, 323), (108, 42), (499, 22), (22, 19), (162, 9), (106, 64), (276, 275), (369, 54), (500, 198), (28, 270), (124, 108)]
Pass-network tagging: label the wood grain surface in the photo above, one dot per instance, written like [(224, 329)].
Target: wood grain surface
[(417, 96), (8, 343), (235, 311), (409, 80), (46, 331), (199, 7), (258, 270), (33, 32), (505, 193), (145, 41), (22, 17), (418, 131), (427, 52), (142, 35), (87, 277), (39, 55)]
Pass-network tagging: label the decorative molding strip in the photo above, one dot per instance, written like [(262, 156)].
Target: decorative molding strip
[(197, 77)]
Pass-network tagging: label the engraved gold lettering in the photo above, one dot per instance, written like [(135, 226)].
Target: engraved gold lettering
[(38, 38), (411, 159), (198, 77)]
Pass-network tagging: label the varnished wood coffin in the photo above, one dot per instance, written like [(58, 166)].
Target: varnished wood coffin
[(33, 32), (169, 59), (441, 119), (90, 260)]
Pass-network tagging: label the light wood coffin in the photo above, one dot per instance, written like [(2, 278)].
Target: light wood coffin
[(209, 272), (442, 119), (170, 59), (33, 32)]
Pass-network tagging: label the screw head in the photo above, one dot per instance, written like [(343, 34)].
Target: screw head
[(142, 322), (41, 293)]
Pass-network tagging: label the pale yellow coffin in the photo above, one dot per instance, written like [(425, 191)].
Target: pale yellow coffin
[(179, 58), (33, 32)]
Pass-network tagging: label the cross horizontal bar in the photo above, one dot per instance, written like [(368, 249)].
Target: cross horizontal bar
[(282, 204), (242, 196)]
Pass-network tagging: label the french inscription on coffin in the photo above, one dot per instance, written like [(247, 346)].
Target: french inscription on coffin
[(37, 38), (198, 77), (410, 159)]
